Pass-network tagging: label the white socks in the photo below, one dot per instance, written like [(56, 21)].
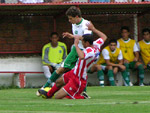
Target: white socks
[(47, 72)]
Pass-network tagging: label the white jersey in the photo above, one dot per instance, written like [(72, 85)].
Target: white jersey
[(81, 29), (91, 56), (31, 1)]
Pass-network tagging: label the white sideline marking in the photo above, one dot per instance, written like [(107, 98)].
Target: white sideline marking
[(134, 102)]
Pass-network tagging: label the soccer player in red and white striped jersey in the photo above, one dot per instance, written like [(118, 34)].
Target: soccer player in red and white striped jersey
[(75, 80)]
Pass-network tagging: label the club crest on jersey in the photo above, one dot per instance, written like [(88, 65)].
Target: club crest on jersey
[(76, 32), (59, 51)]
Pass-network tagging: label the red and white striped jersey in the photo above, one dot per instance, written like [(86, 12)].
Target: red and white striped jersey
[(91, 55)]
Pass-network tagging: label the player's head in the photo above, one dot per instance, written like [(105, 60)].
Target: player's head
[(125, 32), (54, 37), (87, 40), (113, 44), (73, 14), (146, 34)]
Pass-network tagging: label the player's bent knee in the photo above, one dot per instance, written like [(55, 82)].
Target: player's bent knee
[(123, 68), (115, 72), (59, 82), (98, 67), (138, 63), (110, 67)]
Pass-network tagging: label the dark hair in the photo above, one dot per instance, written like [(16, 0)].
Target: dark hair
[(113, 41), (73, 11), (54, 33), (125, 28), (88, 38), (145, 30)]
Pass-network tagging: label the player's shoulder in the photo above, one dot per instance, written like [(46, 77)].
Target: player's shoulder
[(99, 41), (141, 41), (106, 48), (132, 40), (47, 45), (61, 43), (89, 49), (118, 49), (120, 39), (85, 21)]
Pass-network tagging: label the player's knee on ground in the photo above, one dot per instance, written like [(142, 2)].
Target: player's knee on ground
[(60, 94), (59, 82)]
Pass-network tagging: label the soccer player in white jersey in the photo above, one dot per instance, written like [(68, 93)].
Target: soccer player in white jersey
[(80, 28), (75, 80)]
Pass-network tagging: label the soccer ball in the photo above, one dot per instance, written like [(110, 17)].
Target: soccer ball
[(47, 89)]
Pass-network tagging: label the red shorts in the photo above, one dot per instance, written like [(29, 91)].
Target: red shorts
[(74, 87)]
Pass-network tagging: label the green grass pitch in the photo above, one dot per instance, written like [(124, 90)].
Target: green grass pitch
[(104, 100)]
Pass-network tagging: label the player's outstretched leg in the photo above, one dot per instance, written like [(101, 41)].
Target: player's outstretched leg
[(59, 83), (55, 75)]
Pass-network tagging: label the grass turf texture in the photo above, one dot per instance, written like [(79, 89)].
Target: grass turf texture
[(104, 100)]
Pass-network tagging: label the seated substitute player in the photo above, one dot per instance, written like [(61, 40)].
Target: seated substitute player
[(75, 80), (144, 47), (112, 59), (53, 54), (79, 27), (130, 53)]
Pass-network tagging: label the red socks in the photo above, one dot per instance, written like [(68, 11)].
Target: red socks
[(53, 90)]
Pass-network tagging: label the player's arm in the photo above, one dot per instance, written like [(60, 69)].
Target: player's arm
[(79, 51), (67, 34), (99, 33), (106, 56), (71, 36), (120, 62)]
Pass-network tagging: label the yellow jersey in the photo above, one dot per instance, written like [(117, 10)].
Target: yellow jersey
[(145, 51), (113, 56), (54, 55), (127, 49)]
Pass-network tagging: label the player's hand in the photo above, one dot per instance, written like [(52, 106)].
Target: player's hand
[(90, 26), (125, 61), (66, 34), (135, 59), (122, 67)]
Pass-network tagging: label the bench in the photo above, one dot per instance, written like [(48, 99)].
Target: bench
[(21, 76)]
